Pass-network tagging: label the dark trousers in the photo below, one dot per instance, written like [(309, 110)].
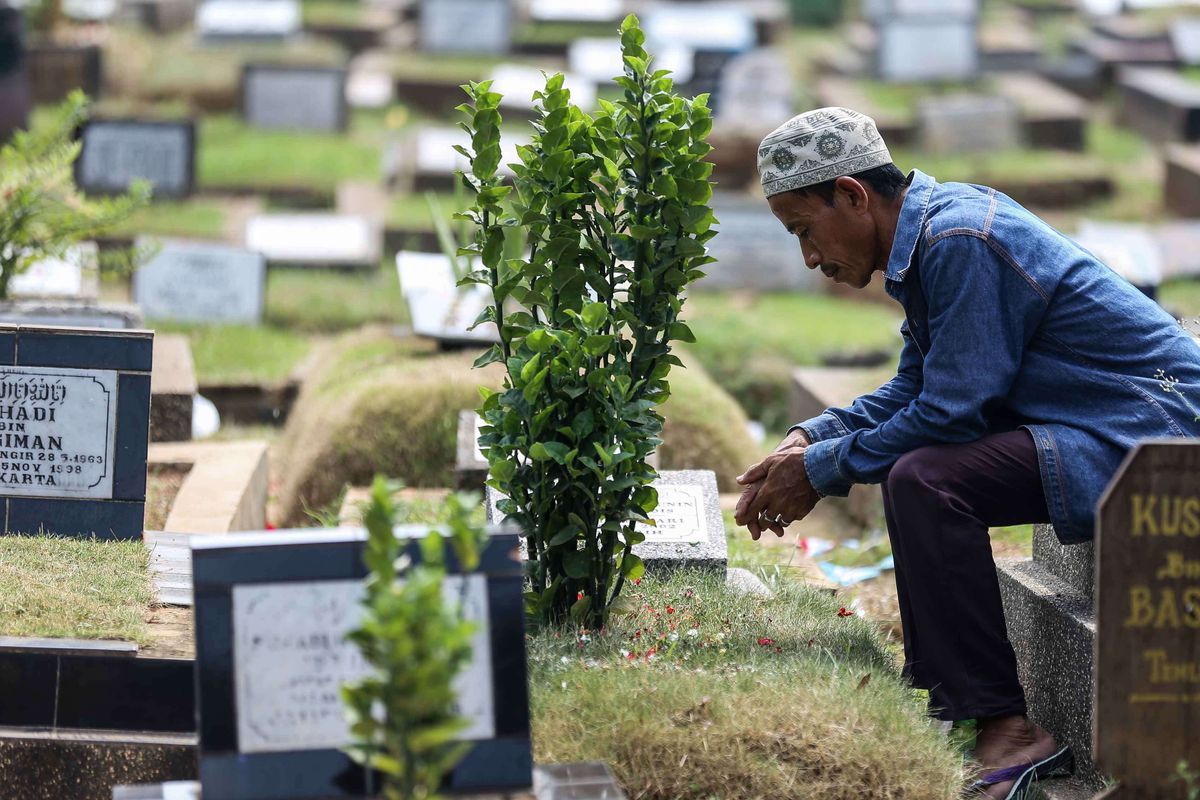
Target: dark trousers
[(940, 502)]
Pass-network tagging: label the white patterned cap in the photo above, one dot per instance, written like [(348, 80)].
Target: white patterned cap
[(818, 146)]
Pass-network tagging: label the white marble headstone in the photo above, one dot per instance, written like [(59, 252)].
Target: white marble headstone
[(435, 153), (291, 657), (75, 276), (366, 88), (90, 10), (904, 51), (599, 59), (518, 82), (965, 123), (1185, 37), (755, 93), (700, 26), (1129, 250), (248, 18), (466, 26), (314, 239), (202, 282), (438, 308), (679, 516), (576, 10), (57, 432)]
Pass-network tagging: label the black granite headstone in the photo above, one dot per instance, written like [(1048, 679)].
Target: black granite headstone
[(14, 82), (118, 151), (74, 427), (271, 611)]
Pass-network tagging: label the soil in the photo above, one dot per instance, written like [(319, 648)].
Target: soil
[(172, 631), (162, 484)]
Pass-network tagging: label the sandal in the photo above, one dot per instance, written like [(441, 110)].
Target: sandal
[(1024, 775)]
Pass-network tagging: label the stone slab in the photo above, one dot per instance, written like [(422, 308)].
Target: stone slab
[(753, 93), (1073, 564), (1051, 117), (74, 276), (294, 98), (248, 19), (172, 389), (39, 765), (439, 309), (599, 59), (225, 489), (574, 11), (118, 151), (962, 123), (466, 26), (202, 282), (1162, 105), (1052, 629), (518, 82), (690, 532), (903, 54), (700, 26), (753, 251), (470, 467), (335, 241), (1185, 38), (115, 316), (1131, 250)]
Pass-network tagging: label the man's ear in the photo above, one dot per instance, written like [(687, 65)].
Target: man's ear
[(853, 192)]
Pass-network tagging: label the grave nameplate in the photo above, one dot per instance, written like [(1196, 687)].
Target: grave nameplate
[(599, 59), (1185, 37), (248, 19), (466, 26), (518, 83), (74, 275), (754, 93), (1148, 607), (436, 160), (968, 124), (202, 282), (904, 54), (340, 241), (700, 26), (753, 250), (575, 11), (438, 308), (294, 98), (272, 611), (74, 425), (117, 152)]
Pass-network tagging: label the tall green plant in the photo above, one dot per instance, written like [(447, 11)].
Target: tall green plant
[(403, 716), (42, 212), (615, 207)]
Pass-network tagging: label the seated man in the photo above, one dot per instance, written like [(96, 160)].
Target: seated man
[(1027, 372)]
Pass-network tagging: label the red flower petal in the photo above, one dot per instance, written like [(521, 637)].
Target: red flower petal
[(844, 612), (765, 642)]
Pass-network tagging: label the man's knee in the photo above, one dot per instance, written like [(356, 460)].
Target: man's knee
[(919, 471)]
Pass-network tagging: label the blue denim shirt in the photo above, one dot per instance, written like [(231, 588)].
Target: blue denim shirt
[(1011, 324)]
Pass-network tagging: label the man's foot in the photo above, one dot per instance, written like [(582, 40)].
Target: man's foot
[(1012, 741)]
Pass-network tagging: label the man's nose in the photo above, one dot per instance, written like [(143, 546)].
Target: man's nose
[(812, 258)]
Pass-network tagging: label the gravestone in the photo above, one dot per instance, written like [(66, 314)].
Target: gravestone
[(14, 79), (470, 465), (271, 610), (74, 276), (202, 282), (753, 250), (117, 152), (1130, 250), (903, 53), (1180, 243), (71, 314), (296, 98), (172, 389), (57, 70), (429, 159), (1148, 609), (74, 424), (754, 92), (1185, 38), (575, 11), (370, 88), (89, 10), (335, 241), (466, 26), (689, 530), (248, 19), (1051, 117), (518, 82), (876, 10), (1162, 105), (700, 27), (967, 124), (438, 308), (598, 59)]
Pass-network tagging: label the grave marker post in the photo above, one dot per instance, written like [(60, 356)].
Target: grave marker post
[(1147, 711)]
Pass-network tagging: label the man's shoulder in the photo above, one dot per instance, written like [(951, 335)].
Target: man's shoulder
[(960, 208)]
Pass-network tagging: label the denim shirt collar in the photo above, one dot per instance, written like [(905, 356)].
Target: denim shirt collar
[(910, 224)]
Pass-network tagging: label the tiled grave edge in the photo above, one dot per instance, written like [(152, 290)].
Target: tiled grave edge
[(225, 489)]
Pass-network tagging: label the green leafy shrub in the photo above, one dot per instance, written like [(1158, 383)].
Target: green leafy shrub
[(615, 207), (42, 212), (403, 717)]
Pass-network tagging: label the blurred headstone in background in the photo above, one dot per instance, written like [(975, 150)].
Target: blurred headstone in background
[(967, 123), (1129, 249), (576, 11), (1185, 38), (599, 59), (756, 91), (467, 26), (160, 16), (294, 98), (906, 31), (753, 251), (73, 276), (518, 82), (89, 10), (117, 152), (14, 81), (714, 33), (218, 20)]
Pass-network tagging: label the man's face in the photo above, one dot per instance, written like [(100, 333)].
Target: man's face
[(840, 239)]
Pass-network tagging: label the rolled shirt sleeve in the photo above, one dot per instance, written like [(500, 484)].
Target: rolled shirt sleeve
[(983, 311)]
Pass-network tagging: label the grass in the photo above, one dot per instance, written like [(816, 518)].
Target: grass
[(1182, 297), (196, 218), (232, 354), (412, 211), (234, 154), (318, 301), (333, 12), (751, 343), (449, 67), (784, 695), (74, 588), (561, 33)]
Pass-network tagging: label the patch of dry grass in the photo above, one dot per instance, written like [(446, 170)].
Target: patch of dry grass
[(74, 588), (721, 714)]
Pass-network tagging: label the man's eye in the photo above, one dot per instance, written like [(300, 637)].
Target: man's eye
[(802, 234)]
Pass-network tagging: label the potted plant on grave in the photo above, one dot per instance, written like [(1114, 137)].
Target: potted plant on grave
[(42, 212), (615, 207), (403, 716)]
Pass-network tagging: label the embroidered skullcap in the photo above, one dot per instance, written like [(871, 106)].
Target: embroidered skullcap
[(818, 146)]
